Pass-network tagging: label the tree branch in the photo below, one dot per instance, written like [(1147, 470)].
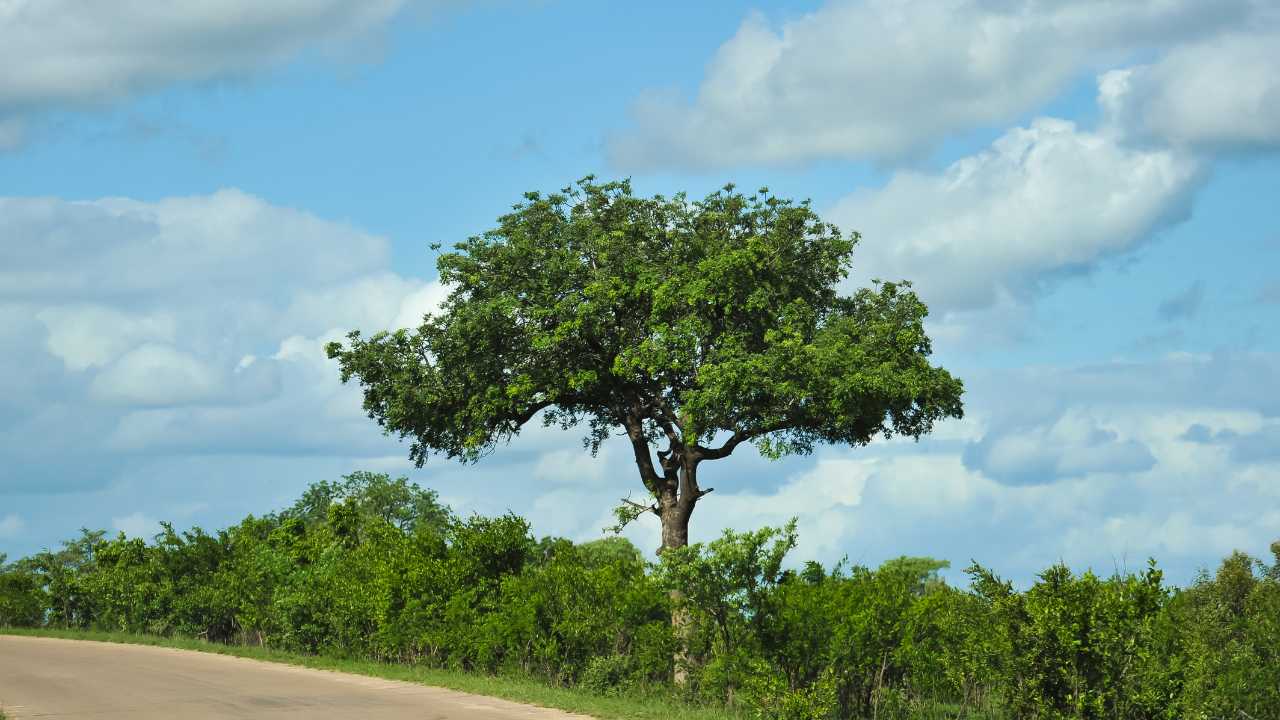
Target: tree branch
[(640, 446), (739, 437), (667, 420), (642, 508)]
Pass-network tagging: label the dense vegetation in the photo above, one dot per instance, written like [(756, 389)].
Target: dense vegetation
[(376, 568)]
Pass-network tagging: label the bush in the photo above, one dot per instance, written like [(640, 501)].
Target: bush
[(375, 568)]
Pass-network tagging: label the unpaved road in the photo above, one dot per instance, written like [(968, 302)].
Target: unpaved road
[(51, 678)]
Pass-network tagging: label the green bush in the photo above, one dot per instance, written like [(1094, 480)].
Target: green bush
[(374, 568)]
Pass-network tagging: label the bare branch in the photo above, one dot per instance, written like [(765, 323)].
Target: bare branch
[(628, 512), (643, 508)]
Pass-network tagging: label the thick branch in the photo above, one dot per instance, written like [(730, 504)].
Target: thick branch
[(725, 450), (689, 492), (532, 410), (739, 437), (640, 446)]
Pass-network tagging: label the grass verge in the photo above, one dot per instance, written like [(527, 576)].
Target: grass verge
[(630, 706)]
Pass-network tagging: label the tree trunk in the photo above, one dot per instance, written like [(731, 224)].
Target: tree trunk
[(676, 490), (675, 534)]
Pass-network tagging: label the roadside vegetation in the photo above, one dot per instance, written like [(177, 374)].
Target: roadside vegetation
[(371, 574)]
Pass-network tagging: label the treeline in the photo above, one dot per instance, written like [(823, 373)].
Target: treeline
[(377, 568)]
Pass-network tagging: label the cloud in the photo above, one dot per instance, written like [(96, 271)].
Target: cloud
[(1182, 305), (1222, 94), (884, 80), (85, 336), (136, 524), (1222, 379), (1197, 433), (1126, 484), (994, 229), (1074, 445), (59, 54), (155, 374), (208, 246), (1260, 444), (190, 325), (572, 466), (11, 526)]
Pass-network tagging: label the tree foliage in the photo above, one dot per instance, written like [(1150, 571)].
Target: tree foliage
[(692, 327)]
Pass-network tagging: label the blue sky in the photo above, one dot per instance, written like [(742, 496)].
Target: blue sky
[(193, 201)]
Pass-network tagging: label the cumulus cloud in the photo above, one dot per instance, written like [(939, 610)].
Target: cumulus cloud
[(1259, 444), (1219, 380), (992, 229), (57, 54), (84, 336), (883, 80), (184, 325), (1074, 445), (1222, 94), (155, 374), (136, 524), (211, 246)]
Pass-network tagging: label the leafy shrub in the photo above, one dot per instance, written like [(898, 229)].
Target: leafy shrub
[(376, 568)]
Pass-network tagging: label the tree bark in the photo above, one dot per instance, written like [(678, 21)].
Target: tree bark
[(676, 499), (676, 490), (675, 534)]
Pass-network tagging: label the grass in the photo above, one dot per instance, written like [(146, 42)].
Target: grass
[(631, 706)]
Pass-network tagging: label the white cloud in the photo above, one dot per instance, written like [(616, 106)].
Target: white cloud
[(11, 526), (1073, 445), (571, 466), (992, 228), (1221, 94), (883, 79), (136, 524), (419, 303), (85, 336), (153, 374), (185, 325), (202, 248), (67, 54)]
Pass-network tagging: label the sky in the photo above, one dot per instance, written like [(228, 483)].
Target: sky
[(195, 198)]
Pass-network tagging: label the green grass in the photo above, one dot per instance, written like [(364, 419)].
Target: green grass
[(633, 706)]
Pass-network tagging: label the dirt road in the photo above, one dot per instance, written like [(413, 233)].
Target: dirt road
[(49, 678)]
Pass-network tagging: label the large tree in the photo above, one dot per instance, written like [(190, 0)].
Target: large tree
[(691, 327)]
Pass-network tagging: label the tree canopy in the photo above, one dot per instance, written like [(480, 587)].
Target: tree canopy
[(690, 326)]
